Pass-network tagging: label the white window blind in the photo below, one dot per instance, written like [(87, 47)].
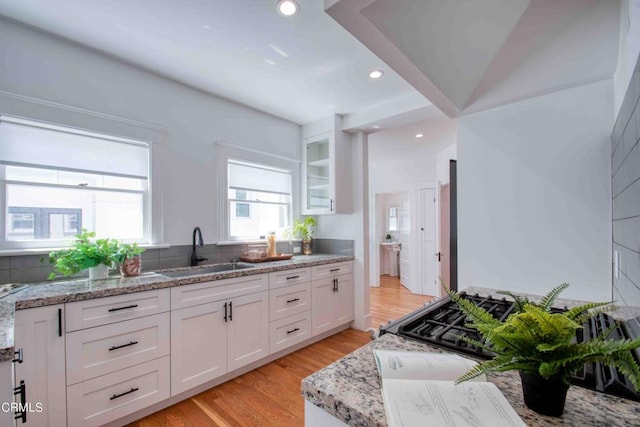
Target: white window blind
[(249, 177), (33, 144)]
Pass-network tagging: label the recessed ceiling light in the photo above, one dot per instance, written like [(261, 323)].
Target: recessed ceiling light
[(206, 27), (419, 135), (375, 127), (288, 7), (270, 62), (376, 74)]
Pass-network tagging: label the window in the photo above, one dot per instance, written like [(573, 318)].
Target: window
[(242, 209), (57, 180), (259, 199)]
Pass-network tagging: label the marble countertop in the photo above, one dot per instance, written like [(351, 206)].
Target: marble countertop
[(349, 389), (59, 292)]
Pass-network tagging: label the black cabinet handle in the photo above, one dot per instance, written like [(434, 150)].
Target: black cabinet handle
[(293, 330), (115, 347), (331, 208), (334, 270), (230, 311), (123, 308), (18, 356), (293, 300), (225, 311), (337, 285), (115, 396), (292, 277), (22, 391), (59, 322)]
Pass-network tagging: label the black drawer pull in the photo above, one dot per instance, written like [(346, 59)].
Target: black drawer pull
[(115, 396), (293, 300), (22, 391), (230, 311), (293, 330), (334, 270), (123, 308), (115, 347), (59, 322), (17, 356), (292, 277)]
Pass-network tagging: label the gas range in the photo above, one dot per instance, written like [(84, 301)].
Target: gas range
[(440, 323)]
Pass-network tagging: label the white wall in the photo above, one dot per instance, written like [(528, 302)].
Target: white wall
[(534, 202), (628, 49), (39, 66)]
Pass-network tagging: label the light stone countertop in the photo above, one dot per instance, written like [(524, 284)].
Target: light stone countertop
[(59, 292), (349, 389)]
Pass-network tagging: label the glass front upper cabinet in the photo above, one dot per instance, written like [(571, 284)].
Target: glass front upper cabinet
[(319, 194)]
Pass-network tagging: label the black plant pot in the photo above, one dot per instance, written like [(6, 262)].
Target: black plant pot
[(545, 396)]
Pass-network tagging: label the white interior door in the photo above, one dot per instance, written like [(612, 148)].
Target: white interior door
[(428, 260)]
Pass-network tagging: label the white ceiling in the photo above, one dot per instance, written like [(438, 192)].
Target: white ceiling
[(301, 68), (470, 55)]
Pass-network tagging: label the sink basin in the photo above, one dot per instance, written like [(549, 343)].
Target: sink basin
[(218, 268)]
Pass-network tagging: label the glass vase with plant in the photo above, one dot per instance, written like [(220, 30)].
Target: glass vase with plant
[(128, 256), (303, 229), (541, 344)]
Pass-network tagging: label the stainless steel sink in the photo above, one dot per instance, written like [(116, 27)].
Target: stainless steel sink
[(210, 269)]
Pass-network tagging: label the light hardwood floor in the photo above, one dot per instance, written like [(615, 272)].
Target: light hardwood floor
[(270, 395)]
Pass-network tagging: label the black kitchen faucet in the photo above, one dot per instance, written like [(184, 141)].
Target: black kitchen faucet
[(195, 259)]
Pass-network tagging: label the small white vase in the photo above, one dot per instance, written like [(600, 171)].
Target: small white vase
[(99, 272)]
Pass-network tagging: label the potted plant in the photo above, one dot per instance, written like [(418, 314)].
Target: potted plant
[(84, 253), (128, 256), (540, 344), (303, 230)]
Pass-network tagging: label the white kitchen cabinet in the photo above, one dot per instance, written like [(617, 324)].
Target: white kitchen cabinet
[(326, 151), (332, 297), (6, 391), (123, 392), (248, 329), (39, 336), (198, 345), (209, 340)]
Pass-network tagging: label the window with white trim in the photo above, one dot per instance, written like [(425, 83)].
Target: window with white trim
[(258, 200), (57, 180)]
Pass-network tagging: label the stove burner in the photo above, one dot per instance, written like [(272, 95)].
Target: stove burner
[(442, 323)]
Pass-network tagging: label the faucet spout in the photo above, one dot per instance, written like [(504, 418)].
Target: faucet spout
[(195, 259)]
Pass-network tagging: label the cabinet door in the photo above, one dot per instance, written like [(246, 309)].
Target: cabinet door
[(322, 296), (343, 300), (6, 391), (318, 168), (248, 329), (39, 333), (198, 345)]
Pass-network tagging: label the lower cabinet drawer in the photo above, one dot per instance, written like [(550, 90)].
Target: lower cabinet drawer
[(294, 299), (289, 331), (109, 397), (98, 351)]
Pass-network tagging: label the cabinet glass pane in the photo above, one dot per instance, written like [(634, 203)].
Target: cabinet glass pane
[(318, 174)]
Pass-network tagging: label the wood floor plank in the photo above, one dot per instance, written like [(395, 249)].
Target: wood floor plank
[(270, 395)]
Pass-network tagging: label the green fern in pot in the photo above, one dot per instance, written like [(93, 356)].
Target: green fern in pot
[(541, 345)]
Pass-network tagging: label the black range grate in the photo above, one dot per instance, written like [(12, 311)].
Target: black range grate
[(446, 322)]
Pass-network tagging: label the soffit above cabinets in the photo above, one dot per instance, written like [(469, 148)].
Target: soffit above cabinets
[(466, 55), (300, 68)]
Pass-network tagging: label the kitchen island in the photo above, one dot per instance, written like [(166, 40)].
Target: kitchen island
[(348, 391)]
